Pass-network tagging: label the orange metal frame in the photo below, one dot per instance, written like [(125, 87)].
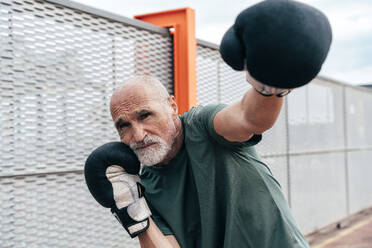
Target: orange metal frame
[(184, 50)]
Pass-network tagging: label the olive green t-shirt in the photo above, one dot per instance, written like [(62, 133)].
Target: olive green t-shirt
[(217, 193)]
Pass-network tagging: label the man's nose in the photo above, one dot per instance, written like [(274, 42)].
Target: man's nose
[(138, 134)]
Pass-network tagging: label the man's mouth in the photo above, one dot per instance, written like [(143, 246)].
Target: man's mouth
[(145, 146)]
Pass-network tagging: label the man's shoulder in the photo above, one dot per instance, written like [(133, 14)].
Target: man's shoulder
[(201, 112), (198, 125)]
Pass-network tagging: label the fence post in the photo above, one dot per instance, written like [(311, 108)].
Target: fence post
[(347, 190), (287, 154), (182, 25)]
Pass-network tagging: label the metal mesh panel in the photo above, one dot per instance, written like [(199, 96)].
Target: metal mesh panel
[(360, 171), (217, 82), (359, 118), (58, 68), (274, 140), (318, 189), (207, 72), (55, 211), (233, 84), (316, 117)]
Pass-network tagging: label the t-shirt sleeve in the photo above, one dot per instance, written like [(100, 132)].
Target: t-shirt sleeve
[(205, 116), (160, 222), (164, 228)]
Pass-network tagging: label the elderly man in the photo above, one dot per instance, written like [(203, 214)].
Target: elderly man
[(205, 186)]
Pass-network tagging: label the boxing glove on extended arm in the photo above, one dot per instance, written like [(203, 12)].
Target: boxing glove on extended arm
[(281, 43), (111, 173)]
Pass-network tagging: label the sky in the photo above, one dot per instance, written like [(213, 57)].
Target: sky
[(350, 56)]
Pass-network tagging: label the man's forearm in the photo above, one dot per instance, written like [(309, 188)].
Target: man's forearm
[(154, 238), (260, 111)]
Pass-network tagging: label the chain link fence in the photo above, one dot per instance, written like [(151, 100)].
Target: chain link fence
[(59, 63)]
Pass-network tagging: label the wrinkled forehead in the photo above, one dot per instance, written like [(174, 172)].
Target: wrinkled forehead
[(133, 104), (133, 99)]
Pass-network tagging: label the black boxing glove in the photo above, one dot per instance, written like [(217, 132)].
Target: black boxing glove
[(111, 173), (281, 43)]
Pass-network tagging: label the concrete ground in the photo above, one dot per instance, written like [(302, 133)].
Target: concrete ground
[(353, 232)]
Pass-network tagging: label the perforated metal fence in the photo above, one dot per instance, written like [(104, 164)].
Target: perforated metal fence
[(58, 67)]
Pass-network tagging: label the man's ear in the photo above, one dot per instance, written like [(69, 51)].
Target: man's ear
[(173, 105)]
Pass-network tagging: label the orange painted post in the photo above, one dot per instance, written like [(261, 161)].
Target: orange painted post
[(184, 50)]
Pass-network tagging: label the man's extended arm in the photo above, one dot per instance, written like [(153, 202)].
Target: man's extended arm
[(154, 238), (253, 114), (278, 53)]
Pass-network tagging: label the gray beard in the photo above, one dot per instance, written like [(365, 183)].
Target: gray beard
[(154, 154)]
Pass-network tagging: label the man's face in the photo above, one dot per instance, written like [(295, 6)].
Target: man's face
[(146, 123)]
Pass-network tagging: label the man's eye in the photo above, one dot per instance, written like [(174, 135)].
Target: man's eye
[(123, 125), (144, 116)]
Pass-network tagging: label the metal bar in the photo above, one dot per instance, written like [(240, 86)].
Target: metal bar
[(208, 44), (287, 154), (331, 151), (339, 83), (307, 104), (346, 144), (319, 152), (111, 16), (41, 174), (219, 83)]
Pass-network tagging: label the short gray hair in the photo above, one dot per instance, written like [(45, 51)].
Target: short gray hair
[(148, 81)]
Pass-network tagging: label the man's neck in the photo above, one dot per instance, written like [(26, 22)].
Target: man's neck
[(177, 145)]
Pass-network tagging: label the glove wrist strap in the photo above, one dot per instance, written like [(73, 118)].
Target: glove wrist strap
[(136, 221), (281, 94)]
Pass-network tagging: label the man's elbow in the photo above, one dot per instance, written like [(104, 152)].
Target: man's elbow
[(258, 127)]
